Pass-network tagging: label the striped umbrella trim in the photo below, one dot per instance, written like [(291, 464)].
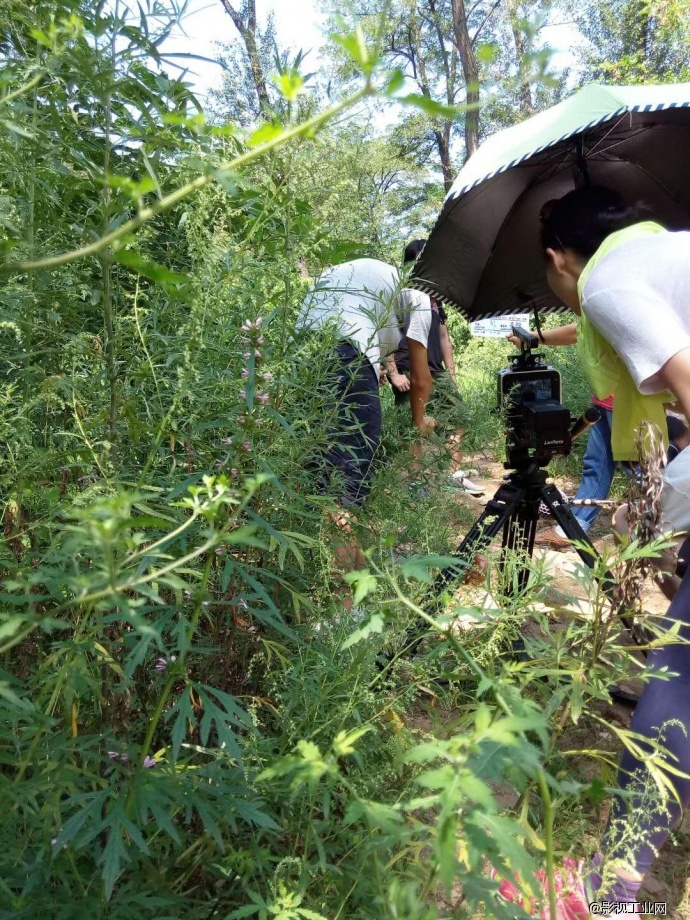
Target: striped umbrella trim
[(592, 124), (428, 288)]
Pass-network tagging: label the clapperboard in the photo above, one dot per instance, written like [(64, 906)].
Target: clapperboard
[(498, 327)]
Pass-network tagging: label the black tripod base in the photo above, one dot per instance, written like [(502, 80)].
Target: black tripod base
[(515, 510)]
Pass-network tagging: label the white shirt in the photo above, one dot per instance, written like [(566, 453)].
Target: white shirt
[(363, 298), (638, 297)]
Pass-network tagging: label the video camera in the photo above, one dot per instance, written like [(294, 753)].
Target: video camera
[(539, 426)]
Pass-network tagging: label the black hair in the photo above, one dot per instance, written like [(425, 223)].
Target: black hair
[(413, 250), (582, 219)]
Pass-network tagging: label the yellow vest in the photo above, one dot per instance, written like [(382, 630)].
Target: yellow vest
[(606, 371)]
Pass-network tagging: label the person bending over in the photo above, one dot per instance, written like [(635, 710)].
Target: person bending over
[(359, 305)]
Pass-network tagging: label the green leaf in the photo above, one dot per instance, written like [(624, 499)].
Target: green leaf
[(18, 129), (152, 270), (290, 84), (376, 815), (354, 44), (487, 52), (363, 581), (184, 714), (395, 81), (268, 132), (417, 567), (222, 710), (370, 627), (431, 107), (344, 742)]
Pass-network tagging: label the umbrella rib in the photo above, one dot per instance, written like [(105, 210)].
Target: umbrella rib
[(674, 198), (603, 138)]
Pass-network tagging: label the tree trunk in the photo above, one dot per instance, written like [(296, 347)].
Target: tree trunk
[(443, 144), (471, 72), (247, 32), (524, 94)]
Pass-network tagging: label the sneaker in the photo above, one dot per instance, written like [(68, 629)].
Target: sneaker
[(572, 902), (544, 509), (460, 481), (551, 539)]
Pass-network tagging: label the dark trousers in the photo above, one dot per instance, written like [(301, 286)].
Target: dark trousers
[(355, 436)]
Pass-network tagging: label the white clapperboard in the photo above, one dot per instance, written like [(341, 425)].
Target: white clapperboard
[(499, 326)]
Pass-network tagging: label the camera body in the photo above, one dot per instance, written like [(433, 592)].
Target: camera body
[(529, 394)]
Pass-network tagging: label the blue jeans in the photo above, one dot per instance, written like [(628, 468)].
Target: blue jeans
[(598, 469)]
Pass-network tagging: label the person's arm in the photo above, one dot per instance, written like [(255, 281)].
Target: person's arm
[(421, 384), (447, 352), (675, 375), (561, 335), (398, 380)]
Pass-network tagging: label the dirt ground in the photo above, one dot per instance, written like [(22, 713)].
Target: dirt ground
[(669, 880)]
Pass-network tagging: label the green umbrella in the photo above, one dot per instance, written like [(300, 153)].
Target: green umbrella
[(483, 256)]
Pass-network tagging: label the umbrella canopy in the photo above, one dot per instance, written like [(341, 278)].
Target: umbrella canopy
[(483, 256)]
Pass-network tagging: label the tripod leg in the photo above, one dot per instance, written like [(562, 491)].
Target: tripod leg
[(498, 512), (571, 527), (574, 532), (518, 536)]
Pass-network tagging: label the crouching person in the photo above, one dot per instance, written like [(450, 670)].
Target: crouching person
[(359, 302)]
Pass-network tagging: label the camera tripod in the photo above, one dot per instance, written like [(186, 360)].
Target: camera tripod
[(515, 509)]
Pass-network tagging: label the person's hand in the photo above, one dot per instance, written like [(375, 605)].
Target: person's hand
[(383, 377), (427, 427), (514, 340), (342, 519), (400, 382)]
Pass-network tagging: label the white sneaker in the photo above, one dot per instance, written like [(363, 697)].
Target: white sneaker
[(460, 481)]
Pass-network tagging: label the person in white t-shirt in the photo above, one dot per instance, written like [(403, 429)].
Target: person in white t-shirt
[(631, 280), (362, 303)]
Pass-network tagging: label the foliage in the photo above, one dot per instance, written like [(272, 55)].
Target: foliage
[(637, 41), (191, 722)]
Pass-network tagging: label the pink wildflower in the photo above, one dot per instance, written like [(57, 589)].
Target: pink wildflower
[(149, 762), (247, 446), (245, 373), (233, 472)]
